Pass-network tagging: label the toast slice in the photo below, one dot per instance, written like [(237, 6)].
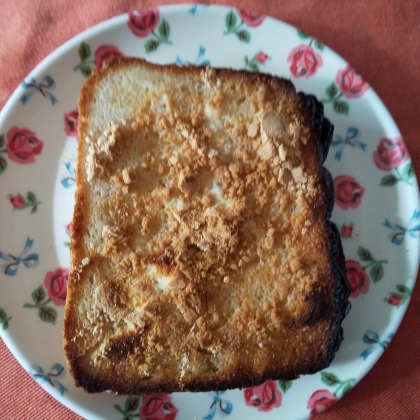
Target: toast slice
[(202, 257)]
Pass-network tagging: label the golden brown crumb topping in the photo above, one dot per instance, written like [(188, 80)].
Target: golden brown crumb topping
[(208, 213)]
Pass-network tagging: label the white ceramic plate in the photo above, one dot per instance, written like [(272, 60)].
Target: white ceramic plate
[(377, 203)]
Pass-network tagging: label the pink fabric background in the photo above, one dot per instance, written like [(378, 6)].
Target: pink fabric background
[(380, 38)]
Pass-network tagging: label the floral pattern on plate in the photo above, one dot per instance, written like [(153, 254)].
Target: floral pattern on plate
[(21, 146), (377, 202), (250, 19), (143, 24), (148, 407)]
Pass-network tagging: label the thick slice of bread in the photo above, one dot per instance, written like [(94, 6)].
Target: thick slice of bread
[(202, 257)]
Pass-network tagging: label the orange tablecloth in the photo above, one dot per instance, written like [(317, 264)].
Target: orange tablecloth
[(381, 39)]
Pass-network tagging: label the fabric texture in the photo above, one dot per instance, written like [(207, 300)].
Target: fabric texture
[(380, 38)]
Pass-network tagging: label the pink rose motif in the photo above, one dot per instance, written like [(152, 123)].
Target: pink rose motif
[(17, 202), (351, 83), (71, 123), (348, 192), (305, 61), (157, 407), (141, 23), (395, 300), (69, 228), (357, 278), (56, 284), (250, 19), (106, 52), (320, 400), (261, 57), (22, 145), (346, 231), (265, 396), (390, 153)]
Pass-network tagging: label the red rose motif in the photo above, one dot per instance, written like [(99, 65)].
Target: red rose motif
[(22, 145), (346, 231), (157, 407), (357, 278), (351, 83), (265, 397), (348, 192), (390, 153), (69, 228), (106, 52), (320, 400), (56, 284), (141, 23), (394, 300), (250, 19), (305, 61), (261, 57), (17, 202), (71, 123)]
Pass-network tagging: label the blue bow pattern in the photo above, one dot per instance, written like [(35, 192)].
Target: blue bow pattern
[(198, 61), (398, 232), (32, 86), (10, 267), (69, 181), (56, 370), (372, 337), (220, 406), (350, 140)]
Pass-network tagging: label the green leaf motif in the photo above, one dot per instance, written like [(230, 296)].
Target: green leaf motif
[(38, 295), (388, 180), (329, 378), (31, 197), (132, 404), (404, 289), (253, 66), (2, 140), (408, 171), (34, 209), (331, 90), (244, 36), (342, 107), (285, 385), (302, 35), (3, 164), (346, 388), (151, 45), (364, 254), (47, 314), (84, 51), (319, 46), (164, 30), (377, 272), (4, 319), (230, 20), (85, 69)]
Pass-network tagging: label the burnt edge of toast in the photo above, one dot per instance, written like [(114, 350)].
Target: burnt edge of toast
[(322, 131)]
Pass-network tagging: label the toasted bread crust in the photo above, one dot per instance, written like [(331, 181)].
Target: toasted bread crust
[(324, 304)]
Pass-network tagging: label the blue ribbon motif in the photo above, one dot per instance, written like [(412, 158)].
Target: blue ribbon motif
[(350, 140), (32, 86), (220, 406), (56, 370), (398, 234), (372, 337), (198, 61), (10, 267)]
